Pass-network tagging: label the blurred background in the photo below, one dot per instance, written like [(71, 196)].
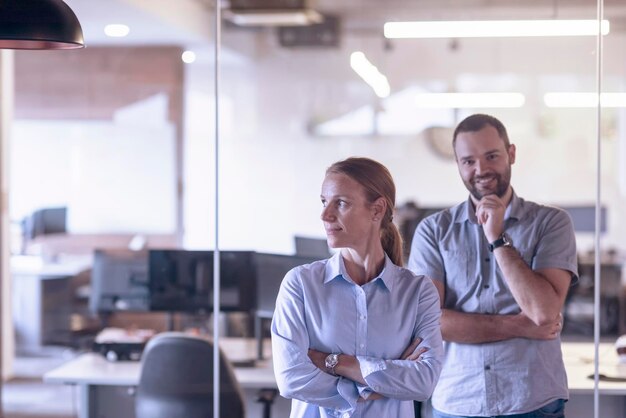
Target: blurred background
[(112, 147)]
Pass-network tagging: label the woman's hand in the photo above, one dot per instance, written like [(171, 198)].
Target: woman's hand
[(409, 353)]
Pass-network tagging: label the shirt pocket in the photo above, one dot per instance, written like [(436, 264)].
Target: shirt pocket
[(458, 265)]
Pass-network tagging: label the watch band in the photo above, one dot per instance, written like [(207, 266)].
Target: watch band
[(502, 241)]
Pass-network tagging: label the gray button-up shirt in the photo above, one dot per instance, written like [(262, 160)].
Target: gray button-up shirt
[(506, 377)]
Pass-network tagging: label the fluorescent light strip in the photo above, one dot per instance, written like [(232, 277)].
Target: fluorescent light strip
[(273, 18), (494, 28), (469, 100), (368, 72), (586, 100)]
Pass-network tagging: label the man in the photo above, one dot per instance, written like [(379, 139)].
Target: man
[(502, 266)]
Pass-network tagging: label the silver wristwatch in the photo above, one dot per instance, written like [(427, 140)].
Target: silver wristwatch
[(331, 362)]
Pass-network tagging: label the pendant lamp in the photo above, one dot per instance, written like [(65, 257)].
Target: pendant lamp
[(39, 24)]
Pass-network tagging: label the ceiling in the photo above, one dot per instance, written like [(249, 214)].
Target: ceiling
[(179, 22), (185, 22)]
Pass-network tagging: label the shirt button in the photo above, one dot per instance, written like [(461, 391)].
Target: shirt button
[(362, 345), (487, 367), (486, 286), (487, 259), (363, 316)]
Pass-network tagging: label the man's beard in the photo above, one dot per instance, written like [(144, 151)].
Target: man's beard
[(502, 185)]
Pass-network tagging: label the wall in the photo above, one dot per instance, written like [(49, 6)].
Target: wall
[(103, 128)]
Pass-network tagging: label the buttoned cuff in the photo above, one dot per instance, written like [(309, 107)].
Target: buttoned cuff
[(347, 390)]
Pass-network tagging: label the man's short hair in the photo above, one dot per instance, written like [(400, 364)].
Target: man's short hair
[(475, 123)]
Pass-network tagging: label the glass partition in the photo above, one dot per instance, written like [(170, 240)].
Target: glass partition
[(295, 102)]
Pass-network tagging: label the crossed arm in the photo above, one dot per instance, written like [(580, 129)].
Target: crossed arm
[(350, 368), (472, 328)]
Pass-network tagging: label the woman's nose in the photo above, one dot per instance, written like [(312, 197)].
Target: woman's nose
[(326, 214)]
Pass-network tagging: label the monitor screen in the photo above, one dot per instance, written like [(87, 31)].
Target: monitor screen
[(119, 281), (584, 218), (270, 271), (312, 247), (182, 281)]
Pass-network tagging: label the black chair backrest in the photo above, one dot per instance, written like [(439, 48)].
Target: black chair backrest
[(177, 380)]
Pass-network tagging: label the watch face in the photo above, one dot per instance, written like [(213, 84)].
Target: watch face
[(331, 361)]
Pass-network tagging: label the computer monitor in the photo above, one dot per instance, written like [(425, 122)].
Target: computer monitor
[(45, 221), (270, 272), (584, 218), (182, 281), (119, 281), (312, 247)]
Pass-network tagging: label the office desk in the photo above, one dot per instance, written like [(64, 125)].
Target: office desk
[(41, 299), (109, 386), (578, 358)]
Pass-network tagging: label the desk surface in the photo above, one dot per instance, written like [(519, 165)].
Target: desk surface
[(22, 265), (579, 357), (94, 369)]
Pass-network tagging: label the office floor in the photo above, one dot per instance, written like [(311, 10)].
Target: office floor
[(26, 396)]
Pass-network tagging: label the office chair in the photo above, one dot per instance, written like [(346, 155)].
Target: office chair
[(177, 380)]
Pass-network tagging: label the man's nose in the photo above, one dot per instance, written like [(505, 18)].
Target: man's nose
[(479, 166)]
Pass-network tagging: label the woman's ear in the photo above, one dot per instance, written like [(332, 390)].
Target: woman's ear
[(379, 208)]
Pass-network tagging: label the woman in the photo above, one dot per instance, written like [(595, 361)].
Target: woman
[(357, 335)]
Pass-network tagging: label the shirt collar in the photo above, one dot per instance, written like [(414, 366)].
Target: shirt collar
[(335, 268)]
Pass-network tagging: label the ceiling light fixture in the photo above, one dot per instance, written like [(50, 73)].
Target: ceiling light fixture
[(273, 17), (368, 72), (579, 99), (469, 100), (188, 57), (494, 28), (116, 30), (39, 24)]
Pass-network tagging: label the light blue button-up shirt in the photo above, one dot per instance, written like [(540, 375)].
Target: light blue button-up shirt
[(320, 307), (505, 377)]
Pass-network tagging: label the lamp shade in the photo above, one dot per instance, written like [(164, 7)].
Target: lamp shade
[(39, 24)]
